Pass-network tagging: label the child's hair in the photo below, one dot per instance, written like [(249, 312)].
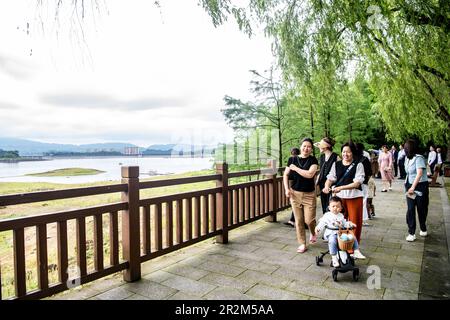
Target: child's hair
[(335, 199)]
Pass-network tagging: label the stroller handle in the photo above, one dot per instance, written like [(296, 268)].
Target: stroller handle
[(337, 228)]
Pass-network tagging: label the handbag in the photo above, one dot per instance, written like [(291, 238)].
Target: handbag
[(318, 190)]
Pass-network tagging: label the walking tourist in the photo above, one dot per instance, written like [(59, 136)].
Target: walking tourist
[(385, 160), (346, 177), (327, 158), (417, 191), (302, 192)]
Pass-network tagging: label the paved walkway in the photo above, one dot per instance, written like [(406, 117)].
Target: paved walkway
[(260, 262)]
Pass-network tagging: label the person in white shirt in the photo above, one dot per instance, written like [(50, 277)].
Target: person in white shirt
[(401, 162), (333, 219), (432, 159)]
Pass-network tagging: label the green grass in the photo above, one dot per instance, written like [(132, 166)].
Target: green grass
[(67, 172)]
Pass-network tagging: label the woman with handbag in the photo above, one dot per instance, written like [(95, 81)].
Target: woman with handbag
[(417, 190), (295, 152), (385, 160), (346, 177), (302, 192), (327, 158)]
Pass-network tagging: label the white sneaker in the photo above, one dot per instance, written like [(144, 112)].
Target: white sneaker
[(423, 233), (335, 261), (390, 188), (411, 237), (358, 255)]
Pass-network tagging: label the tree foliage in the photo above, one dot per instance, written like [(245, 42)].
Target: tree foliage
[(401, 48)]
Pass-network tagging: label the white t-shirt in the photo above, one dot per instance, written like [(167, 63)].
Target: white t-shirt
[(431, 157)]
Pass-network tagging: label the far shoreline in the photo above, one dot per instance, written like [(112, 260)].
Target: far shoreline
[(25, 159)]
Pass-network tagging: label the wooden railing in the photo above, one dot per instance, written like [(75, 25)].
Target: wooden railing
[(149, 227)]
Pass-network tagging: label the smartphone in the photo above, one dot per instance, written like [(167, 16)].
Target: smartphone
[(411, 196)]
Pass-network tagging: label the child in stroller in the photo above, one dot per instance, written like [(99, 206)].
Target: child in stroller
[(341, 260)]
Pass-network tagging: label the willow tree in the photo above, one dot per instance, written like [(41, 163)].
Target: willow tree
[(268, 112), (403, 47)]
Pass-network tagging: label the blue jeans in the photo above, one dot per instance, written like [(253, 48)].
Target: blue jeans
[(333, 246)]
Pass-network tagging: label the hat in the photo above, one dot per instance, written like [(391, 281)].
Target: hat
[(322, 144)]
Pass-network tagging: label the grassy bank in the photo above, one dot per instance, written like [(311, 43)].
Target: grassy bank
[(67, 172)]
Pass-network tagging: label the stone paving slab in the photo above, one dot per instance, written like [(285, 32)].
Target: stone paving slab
[(220, 280), (119, 293), (260, 262), (265, 292), (150, 289), (188, 286), (254, 265), (226, 293)]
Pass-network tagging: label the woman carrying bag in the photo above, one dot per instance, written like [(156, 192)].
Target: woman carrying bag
[(302, 192), (327, 158), (417, 190), (346, 177)]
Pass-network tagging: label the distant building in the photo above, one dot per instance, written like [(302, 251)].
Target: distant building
[(131, 151)]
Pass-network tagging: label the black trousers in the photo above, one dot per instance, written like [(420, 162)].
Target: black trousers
[(395, 168), (432, 168), (401, 167), (325, 201), (421, 203)]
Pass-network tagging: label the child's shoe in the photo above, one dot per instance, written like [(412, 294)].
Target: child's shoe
[(313, 239), (358, 255), (335, 261)]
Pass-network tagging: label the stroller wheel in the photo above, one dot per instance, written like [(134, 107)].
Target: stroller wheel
[(334, 274), (356, 274)]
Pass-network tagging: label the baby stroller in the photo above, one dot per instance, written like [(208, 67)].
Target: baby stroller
[(346, 262)]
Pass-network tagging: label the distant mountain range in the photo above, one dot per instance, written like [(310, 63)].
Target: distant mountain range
[(35, 148)]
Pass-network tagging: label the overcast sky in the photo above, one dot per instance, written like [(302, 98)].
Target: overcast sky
[(142, 75)]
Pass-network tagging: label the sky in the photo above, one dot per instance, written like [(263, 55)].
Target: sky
[(127, 71)]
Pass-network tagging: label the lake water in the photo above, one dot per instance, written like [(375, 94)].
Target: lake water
[(16, 172)]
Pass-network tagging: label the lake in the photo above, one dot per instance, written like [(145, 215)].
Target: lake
[(16, 172)]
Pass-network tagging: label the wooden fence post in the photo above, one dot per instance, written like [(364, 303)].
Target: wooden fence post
[(273, 191), (222, 202), (131, 225)]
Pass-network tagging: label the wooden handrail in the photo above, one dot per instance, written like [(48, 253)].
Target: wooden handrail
[(178, 196), (248, 184), (178, 220), (24, 222), (39, 196), (178, 181), (244, 173)]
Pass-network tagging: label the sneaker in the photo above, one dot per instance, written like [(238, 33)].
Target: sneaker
[(290, 224), (411, 237), (313, 239), (366, 224), (358, 255), (390, 188), (423, 233), (301, 248), (335, 261), (384, 190)]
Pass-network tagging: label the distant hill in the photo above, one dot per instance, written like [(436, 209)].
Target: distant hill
[(35, 148), (178, 149)]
